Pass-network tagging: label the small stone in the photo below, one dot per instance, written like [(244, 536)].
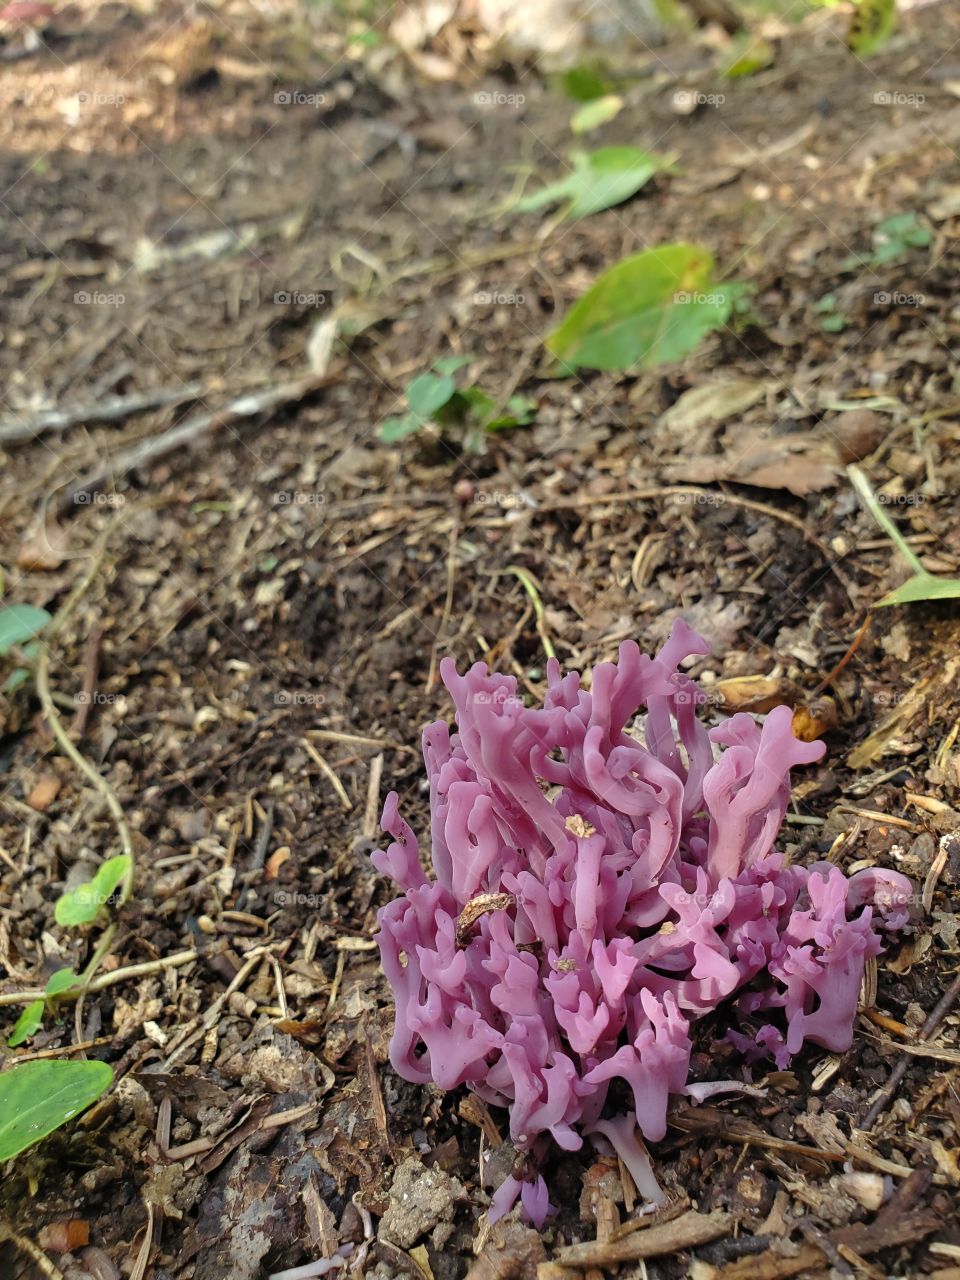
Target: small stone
[(421, 1200), (44, 791), (857, 433)]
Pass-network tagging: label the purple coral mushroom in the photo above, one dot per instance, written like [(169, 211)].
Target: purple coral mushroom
[(596, 892)]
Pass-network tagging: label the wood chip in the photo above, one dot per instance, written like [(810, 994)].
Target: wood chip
[(683, 1233)]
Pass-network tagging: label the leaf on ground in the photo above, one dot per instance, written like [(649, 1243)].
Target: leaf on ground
[(60, 981), (584, 83), (428, 393), (28, 1024), (83, 904), (40, 1096), (599, 180), (20, 622), (713, 402), (394, 429), (650, 308), (748, 56), (922, 586), (593, 114), (801, 463)]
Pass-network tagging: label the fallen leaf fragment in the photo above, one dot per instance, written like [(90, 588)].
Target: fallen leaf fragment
[(756, 693), (713, 402)]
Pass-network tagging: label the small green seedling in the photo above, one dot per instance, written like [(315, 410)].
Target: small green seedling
[(40, 1096), (31, 1020), (20, 624), (599, 180), (892, 239), (921, 585), (435, 398), (85, 903), (831, 320)]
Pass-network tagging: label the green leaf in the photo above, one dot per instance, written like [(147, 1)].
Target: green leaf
[(393, 429), (478, 403), (427, 393), (450, 364), (583, 84), (20, 622), (599, 180), (38, 1097), (21, 675), (833, 323), (28, 1024), (652, 307), (593, 114), (62, 980), (906, 227), (923, 586), (520, 413), (83, 904), (871, 25), (750, 54)]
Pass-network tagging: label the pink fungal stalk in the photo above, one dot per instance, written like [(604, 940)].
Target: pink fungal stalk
[(597, 891)]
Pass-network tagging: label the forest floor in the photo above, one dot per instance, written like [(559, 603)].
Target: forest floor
[(191, 202)]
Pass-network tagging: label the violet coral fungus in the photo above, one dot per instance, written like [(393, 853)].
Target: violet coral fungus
[(597, 892)]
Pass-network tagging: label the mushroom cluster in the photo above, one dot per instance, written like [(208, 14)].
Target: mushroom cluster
[(601, 880)]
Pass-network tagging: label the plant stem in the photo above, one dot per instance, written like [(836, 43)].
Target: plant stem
[(530, 587), (67, 746), (103, 980), (869, 500)]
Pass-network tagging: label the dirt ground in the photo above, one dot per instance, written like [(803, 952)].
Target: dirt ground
[(190, 200)]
